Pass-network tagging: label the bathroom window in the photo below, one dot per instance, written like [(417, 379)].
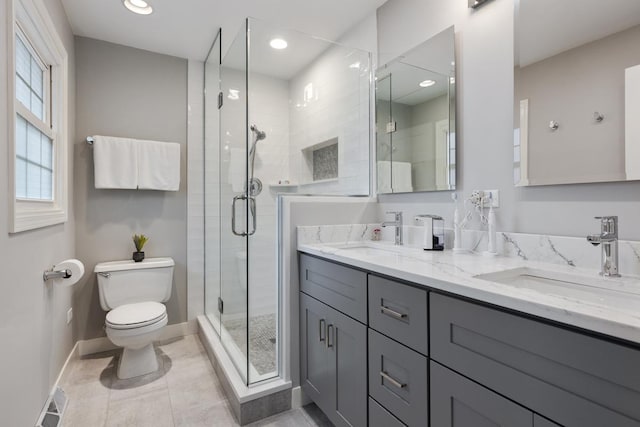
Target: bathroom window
[(38, 76)]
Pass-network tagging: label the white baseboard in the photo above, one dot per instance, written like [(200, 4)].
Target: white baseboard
[(299, 398), (73, 355), (98, 345)]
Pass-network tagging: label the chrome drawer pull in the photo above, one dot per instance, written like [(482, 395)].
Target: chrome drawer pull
[(330, 336), (393, 381), (321, 329), (392, 313)]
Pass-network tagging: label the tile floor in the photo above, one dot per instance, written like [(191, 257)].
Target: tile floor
[(183, 392)]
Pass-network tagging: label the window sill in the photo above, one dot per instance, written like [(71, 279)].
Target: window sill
[(31, 219)]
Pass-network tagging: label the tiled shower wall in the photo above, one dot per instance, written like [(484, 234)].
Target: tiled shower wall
[(330, 99)]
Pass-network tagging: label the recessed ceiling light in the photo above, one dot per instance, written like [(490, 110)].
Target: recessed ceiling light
[(278, 44), (140, 7), (427, 83)]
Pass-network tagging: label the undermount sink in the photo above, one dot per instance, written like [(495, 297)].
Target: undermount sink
[(368, 248), (591, 290)]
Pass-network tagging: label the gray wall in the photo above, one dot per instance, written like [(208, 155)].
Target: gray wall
[(484, 59), (127, 92), (36, 339), (569, 88)]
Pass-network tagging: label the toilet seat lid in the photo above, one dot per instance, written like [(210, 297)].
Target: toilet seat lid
[(135, 315)]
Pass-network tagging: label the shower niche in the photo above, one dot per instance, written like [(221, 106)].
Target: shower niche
[(285, 113)]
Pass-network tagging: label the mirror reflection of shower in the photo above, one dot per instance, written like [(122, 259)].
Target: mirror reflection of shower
[(255, 185)]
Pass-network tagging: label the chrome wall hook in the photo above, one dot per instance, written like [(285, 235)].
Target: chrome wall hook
[(598, 117), (553, 125)]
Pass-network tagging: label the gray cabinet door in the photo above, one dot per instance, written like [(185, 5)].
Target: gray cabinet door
[(333, 367), (459, 402), (316, 371), (347, 344), (538, 421)]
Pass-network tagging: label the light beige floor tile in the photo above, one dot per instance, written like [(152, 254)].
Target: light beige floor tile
[(187, 370), (182, 347), (85, 411), (293, 418), (151, 409), (92, 367), (132, 387), (187, 396), (205, 415)]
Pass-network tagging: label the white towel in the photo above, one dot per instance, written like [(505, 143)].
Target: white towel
[(384, 177), (115, 162), (400, 182), (237, 169), (158, 165)]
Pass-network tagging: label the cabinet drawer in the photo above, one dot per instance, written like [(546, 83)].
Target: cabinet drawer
[(569, 377), (398, 379), (380, 417), (342, 288), (400, 312), (458, 402)]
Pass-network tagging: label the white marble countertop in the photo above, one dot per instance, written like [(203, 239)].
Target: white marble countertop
[(611, 309)]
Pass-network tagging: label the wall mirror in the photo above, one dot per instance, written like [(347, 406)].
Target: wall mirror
[(415, 118), (577, 91)]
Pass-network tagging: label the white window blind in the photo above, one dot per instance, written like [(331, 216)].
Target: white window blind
[(34, 145)]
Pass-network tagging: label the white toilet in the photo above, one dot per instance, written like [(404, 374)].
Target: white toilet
[(132, 293)]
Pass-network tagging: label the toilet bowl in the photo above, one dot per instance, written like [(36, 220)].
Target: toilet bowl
[(133, 293)]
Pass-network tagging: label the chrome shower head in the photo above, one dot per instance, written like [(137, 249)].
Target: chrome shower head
[(260, 135)]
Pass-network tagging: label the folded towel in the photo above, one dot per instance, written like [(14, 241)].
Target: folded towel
[(399, 181), (115, 162), (401, 177), (237, 169), (158, 165)]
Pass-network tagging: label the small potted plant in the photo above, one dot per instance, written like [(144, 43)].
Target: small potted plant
[(139, 241)]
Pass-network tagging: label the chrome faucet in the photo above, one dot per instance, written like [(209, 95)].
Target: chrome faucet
[(397, 224), (608, 237)]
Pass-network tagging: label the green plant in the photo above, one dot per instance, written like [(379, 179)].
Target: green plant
[(140, 241)]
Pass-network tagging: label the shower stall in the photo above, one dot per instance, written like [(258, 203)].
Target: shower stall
[(285, 113)]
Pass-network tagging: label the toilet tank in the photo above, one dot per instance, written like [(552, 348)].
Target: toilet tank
[(128, 282)]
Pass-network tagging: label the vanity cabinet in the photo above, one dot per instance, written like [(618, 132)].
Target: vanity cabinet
[(408, 355), (333, 351)]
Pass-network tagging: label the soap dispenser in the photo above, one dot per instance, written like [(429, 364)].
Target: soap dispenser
[(433, 232)]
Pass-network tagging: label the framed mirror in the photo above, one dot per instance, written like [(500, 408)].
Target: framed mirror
[(415, 119), (577, 91)]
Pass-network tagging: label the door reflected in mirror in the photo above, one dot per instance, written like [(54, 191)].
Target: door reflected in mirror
[(577, 91), (415, 119)]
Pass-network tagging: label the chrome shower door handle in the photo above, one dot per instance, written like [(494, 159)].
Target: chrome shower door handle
[(252, 207), (233, 215)]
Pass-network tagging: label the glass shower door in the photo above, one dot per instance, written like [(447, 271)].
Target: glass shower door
[(234, 215)]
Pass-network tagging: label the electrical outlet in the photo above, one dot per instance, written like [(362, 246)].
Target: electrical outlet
[(69, 315), (495, 198)]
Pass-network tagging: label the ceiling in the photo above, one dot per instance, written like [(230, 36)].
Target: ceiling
[(186, 28), (548, 27)]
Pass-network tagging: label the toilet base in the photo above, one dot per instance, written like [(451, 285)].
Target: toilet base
[(137, 362)]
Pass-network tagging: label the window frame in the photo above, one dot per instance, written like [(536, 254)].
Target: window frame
[(30, 18)]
